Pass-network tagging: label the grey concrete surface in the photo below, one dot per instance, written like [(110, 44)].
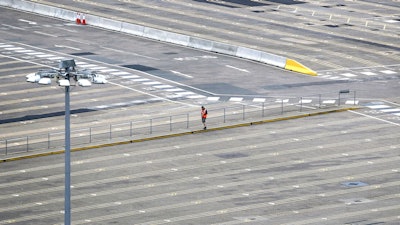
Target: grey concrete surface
[(333, 169)]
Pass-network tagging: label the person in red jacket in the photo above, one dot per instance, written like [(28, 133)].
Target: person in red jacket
[(204, 116)]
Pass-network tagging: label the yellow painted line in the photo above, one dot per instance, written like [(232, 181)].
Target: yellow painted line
[(176, 134)]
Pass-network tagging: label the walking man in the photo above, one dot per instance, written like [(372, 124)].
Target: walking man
[(204, 116)]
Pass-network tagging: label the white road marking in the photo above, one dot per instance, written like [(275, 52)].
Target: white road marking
[(120, 73), (243, 70), (329, 102), (28, 21), (174, 89), (140, 80), (145, 93), (305, 101), (259, 100), (13, 27), (351, 102), (195, 96), (45, 34), (369, 73), (34, 53), (88, 65), (108, 70), (348, 75), (130, 76), (235, 99), (282, 100), (151, 83), (388, 72), (163, 86), (45, 56), (373, 117), (14, 48), (391, 110), (64, 46), (181, 74), (56, 58), (213, 98), (378, 106)]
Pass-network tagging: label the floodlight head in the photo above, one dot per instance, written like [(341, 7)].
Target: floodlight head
[(32, 78), (84, 83), (100, 79), (44, 81), (30, 75), (64, 83)]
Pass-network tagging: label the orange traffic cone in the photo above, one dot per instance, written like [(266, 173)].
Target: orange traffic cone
[(83, 19), (78, 18)]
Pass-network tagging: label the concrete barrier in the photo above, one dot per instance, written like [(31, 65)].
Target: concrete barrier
[(224, 48), (24, 6), (155, 34), (65, 14), (132, 29), (200, 43), (103, 22), (248, 53), (178, 39), (46, 10), (8, 3), (272, 59)]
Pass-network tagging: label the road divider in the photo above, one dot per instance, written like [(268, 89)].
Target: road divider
[(200, 43), (295, 66), (161, 35)]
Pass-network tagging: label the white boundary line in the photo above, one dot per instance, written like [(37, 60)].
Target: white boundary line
[(376, 118)]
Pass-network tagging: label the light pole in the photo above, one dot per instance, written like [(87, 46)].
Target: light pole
[(63, 75), (67, 195)]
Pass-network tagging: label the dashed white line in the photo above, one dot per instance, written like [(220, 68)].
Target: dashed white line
[(64, 46), (378, 106), (243, 70), (369, 73), (181, 74), (388, 72), (45, 34), (164, 86), (130, 76), (235, 99), (119, 73), (213, 98)]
